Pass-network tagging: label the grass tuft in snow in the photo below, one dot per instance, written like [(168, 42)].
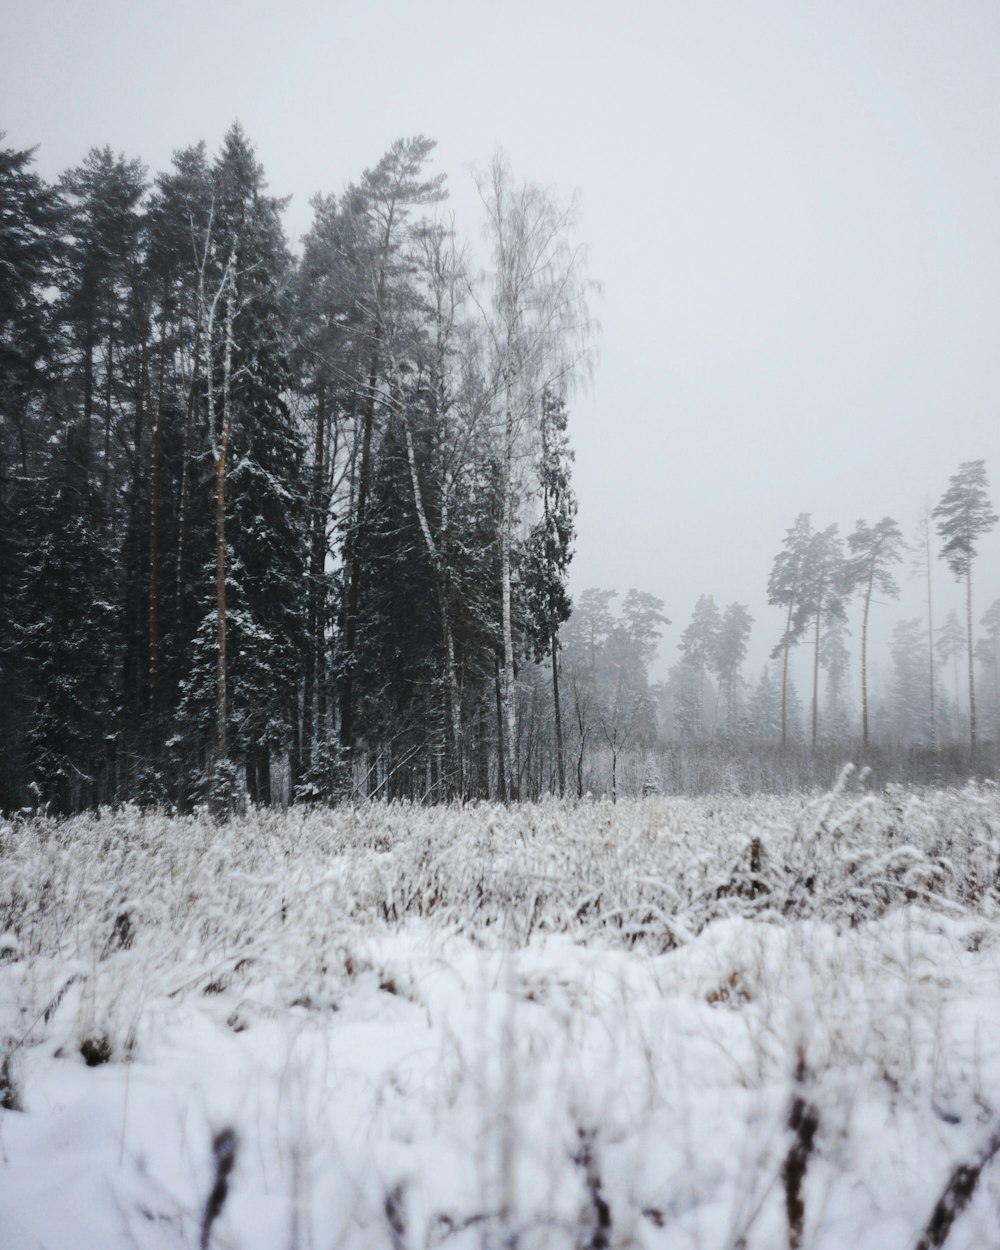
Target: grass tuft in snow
[(695, 1023)]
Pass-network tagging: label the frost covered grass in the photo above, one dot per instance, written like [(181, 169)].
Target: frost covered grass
[(723, 1022)]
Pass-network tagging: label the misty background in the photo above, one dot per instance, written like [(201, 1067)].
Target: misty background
[(792, 211)]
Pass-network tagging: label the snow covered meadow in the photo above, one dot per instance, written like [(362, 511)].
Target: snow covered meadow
[(706, 1023)]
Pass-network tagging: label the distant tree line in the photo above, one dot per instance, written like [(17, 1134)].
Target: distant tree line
[(940, 689), (706, 726), (285, 527)]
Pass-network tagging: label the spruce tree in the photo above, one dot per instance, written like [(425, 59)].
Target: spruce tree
[(28, 252), (102, 224), (548, 552), (243, 679), (66, 627), (29, 218), (908, 702), (835, 657), (699, 645), (176, 229)]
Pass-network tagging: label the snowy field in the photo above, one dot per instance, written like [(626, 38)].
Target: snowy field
[(711, 1023)]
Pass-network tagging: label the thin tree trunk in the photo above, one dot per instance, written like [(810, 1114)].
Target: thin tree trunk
[(109, 384), (295, 751), (154, 525), (354, 580), (864, 660), (815, 707), (312, 660), (501, 777), (968, 634), (88, 384), (440, 586), (139, 701), (557, 714), (582, 729), (784, 682), (185, 496), (322, 676), (364, 475), (506, 537), (221, 739), (930, 633), (221, 744)]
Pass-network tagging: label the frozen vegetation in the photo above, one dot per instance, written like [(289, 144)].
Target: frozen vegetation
[(708, 1023)]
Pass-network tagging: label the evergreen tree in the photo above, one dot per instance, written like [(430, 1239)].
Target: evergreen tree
[(874, 550), (102, 225), (764, 712), (729, 653), (548, 553), (625, 710), (29, 216), (922, 565), (835, 658), (384, 200), (633, 647), (397, 704), (28, 249), (785, 589), (775, 702), (908, 703), (950, 645), (441, 400), (329, 343), (589, 630), (822, 598), (964, 515), (699, 644), (177, 230), (250, 594), (299, 525), (684, 699), (66, 632), (988, 655)]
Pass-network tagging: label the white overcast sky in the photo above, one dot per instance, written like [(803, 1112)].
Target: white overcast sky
[(793, 208)]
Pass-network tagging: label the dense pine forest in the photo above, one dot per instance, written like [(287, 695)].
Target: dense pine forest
[(295, 526), (278, 526)]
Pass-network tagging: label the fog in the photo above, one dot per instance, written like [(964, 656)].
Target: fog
[(792, 211)]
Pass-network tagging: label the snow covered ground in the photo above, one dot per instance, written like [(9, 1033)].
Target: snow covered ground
[(710, 1023)]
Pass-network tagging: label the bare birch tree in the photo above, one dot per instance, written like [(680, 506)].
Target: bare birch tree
[(538, 327)]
